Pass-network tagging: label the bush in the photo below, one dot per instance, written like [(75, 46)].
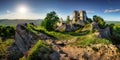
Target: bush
[(4, 45), (7, 31), (115, 29), (90, 39)]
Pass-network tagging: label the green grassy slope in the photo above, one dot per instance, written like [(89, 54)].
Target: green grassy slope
[(4, 45)]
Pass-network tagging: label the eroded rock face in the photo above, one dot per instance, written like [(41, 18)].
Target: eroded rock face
[(24, 40), (14, 53), (103, 33), (91, 52)]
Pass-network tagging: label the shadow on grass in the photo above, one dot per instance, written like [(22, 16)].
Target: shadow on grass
[(47, 34), (77, 34)]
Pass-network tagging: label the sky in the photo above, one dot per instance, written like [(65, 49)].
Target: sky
[(37, 9)]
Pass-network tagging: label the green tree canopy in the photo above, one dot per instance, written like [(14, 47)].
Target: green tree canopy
[(50, 20), (99, 20), (7, 31)]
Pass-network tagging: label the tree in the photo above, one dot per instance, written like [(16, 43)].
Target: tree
[(89, 20), (50, 21), (99, 20)]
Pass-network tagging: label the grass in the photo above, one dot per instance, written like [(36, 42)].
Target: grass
[(65, 35), (82, 40), (57, 35), (86, 42), (4, 45), (90, 39), (83, 37)]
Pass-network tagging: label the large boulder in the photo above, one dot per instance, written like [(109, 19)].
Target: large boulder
[(23, 38)]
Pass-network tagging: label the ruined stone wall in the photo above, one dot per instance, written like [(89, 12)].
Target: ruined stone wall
[(82, 15), (75, 16), (78, 17)]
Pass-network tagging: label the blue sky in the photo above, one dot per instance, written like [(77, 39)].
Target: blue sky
[(37, 9)]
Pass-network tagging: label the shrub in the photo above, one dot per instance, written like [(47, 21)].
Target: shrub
[(115, 29), (4, 45), (89, 39), (7, 31)]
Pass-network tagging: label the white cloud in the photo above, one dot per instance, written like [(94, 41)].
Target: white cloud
[(16, 15), (90, 12), (8, 11), (111, 10)]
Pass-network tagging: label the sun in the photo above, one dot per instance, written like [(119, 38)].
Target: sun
[(22, 9)]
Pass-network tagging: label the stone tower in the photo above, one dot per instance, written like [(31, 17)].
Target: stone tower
[(75, 16), (82, 15), (78, 17)]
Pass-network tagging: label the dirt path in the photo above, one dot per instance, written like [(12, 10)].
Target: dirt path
[(93, 52)]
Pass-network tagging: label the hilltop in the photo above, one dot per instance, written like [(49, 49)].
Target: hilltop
[(75, 39)]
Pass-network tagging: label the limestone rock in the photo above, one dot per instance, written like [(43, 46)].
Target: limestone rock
[(24, 40)]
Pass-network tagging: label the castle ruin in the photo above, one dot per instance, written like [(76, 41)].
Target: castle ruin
[(78, 18)]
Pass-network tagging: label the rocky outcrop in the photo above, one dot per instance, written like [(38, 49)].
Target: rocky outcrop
[(24, 40), (14, 52), (102, 33), (91, 52)]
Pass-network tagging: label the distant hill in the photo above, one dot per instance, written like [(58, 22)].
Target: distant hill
[(17, 21), (114, 22), (36, 22)]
